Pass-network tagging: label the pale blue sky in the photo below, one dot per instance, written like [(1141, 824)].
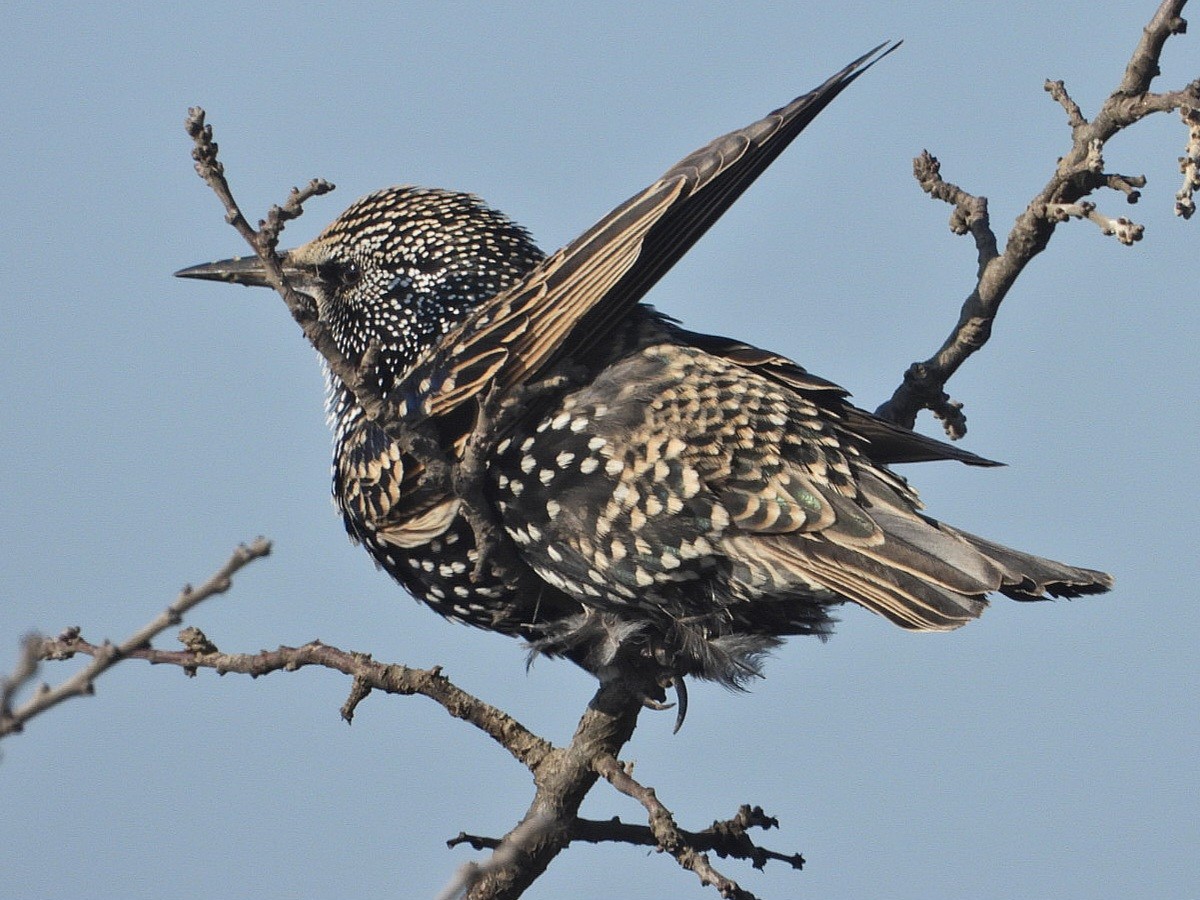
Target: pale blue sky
[(1046, 751)]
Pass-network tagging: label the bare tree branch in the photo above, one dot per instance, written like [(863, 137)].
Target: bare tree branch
[(23, 673), (106, 655), (563, 775), (666, 833), (201, 653), (727, 838), (264, 242), (1079, 173)]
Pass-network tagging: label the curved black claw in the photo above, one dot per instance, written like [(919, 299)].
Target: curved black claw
[(681, 695)]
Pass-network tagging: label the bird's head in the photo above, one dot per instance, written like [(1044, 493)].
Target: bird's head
[(398, 270)]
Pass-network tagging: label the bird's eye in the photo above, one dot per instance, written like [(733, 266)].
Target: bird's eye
[(340, 273), (351, 274)]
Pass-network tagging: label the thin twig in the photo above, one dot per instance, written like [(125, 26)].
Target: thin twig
[(106, 655), (201, 653), (667, 834), (1058, 91), (23, 674), (263, 243), (726, 838), (1124, 230)]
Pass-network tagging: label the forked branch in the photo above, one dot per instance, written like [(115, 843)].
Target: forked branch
[(1078, 174)]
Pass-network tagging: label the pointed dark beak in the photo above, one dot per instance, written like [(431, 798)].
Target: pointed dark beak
[(247, 270)]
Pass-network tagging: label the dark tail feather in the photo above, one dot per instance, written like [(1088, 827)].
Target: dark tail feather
[(1029, 577), (923, 576)]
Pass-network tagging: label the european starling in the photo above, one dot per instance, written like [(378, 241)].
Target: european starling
[(669, 504)]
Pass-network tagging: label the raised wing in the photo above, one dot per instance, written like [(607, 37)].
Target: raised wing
[(574, 296)]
